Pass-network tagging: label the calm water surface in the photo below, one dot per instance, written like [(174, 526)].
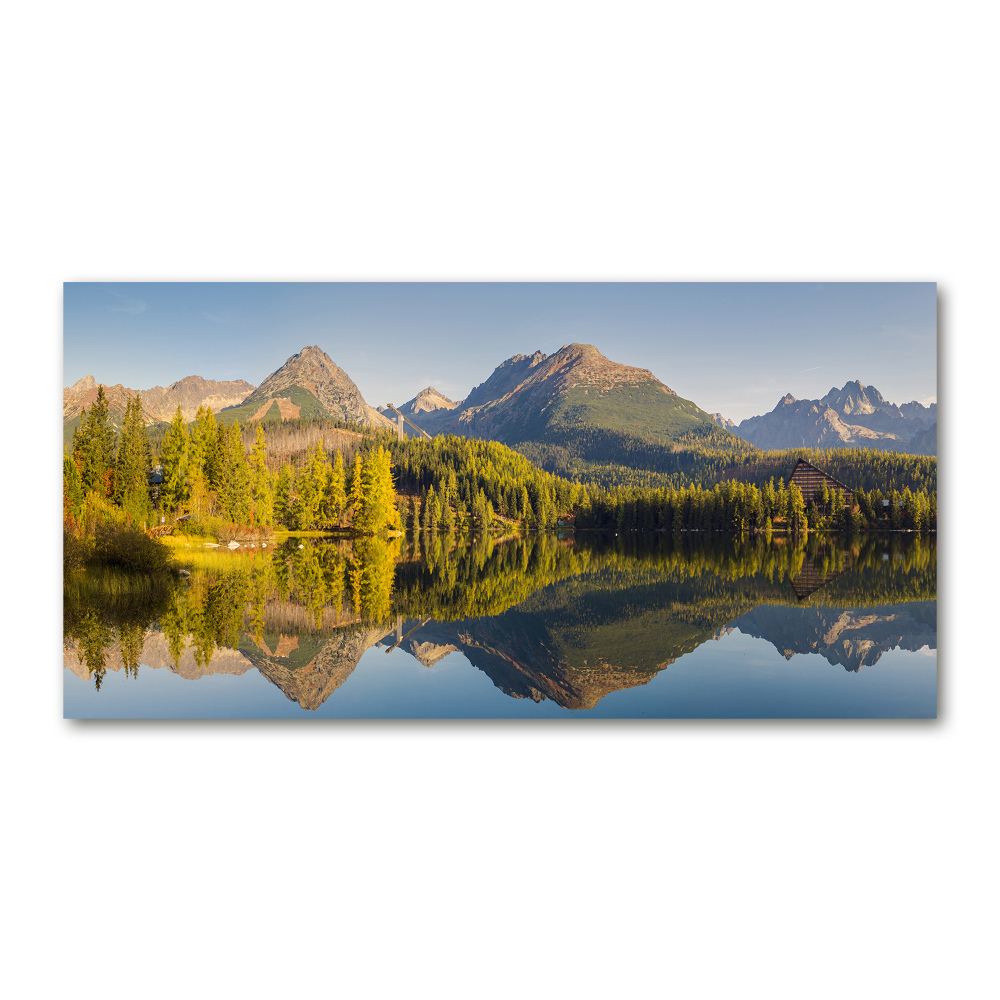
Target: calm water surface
[(645, 626)]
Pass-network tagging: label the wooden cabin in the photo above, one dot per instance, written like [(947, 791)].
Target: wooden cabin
[(809, 480)]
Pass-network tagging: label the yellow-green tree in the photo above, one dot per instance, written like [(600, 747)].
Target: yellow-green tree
[(375, 508), (260, 481), (232, 475), (174, 459), (133, 465), (310, 485), (796, 507), (94, 447), (336, 497)]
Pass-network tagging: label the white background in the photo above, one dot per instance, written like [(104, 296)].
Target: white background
[(526, 140)]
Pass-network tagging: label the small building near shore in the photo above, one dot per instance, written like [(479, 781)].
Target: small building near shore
[(810, 481)]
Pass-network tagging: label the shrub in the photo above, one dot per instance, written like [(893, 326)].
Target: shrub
[(242, 533), (129, 549), (195, 527), (76, 552)]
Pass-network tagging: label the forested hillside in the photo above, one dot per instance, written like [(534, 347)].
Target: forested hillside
[(242, 481), (622, 461)]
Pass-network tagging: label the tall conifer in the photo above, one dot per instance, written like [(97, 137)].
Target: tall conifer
[(260, 479), (337, 493), (174, 459), (94, 447), (133, 464)]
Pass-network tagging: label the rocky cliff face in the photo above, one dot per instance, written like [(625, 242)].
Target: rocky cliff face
[(723, 422), (856, 416), (158, 403), (315, 372), (506, 378)]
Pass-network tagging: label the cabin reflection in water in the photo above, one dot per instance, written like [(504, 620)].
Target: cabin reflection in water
[(812, 577)]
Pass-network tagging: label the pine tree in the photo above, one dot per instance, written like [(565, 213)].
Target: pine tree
[(356, 490), (796, 507), (428, 519), (133, 465), (447, 521), (94, 447), (413, 524), (311, 486), (174, 459), (232, 475), (376, 511), (524, 503), (337, 492), (203, 434), (260, 481), (283, 495)]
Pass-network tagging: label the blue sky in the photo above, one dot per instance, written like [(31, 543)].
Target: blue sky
[(732, 348)]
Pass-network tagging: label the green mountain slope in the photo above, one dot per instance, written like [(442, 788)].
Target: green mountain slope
[(576, 412)]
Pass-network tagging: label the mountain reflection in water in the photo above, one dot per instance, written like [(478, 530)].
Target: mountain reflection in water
[(568, 621)]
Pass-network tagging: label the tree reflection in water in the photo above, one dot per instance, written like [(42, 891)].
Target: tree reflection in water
[(315, 605)]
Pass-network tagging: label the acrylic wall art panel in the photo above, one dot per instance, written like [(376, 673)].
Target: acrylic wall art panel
[(497, 500)]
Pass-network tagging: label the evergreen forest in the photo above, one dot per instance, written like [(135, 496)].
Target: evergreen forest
[(244, 482)]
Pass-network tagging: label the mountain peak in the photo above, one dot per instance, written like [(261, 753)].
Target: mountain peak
[(516, 359), (723, 422), (315, 372), (427, 400), (84, 385), (855, 398), (313, 355), (579, 351), (575, 364)]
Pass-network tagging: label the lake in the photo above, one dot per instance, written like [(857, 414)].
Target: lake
[(592, 626)]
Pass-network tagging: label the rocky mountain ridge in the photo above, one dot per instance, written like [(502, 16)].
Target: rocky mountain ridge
[(158, 403), (856, 416)]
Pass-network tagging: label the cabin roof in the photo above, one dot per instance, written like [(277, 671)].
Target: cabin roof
[(826, 475)]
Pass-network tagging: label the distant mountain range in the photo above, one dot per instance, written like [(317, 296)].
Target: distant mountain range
[(572, 406), (857, 416), (158, 404)]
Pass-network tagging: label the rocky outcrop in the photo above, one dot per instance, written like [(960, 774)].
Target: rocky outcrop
[(723, 422)]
